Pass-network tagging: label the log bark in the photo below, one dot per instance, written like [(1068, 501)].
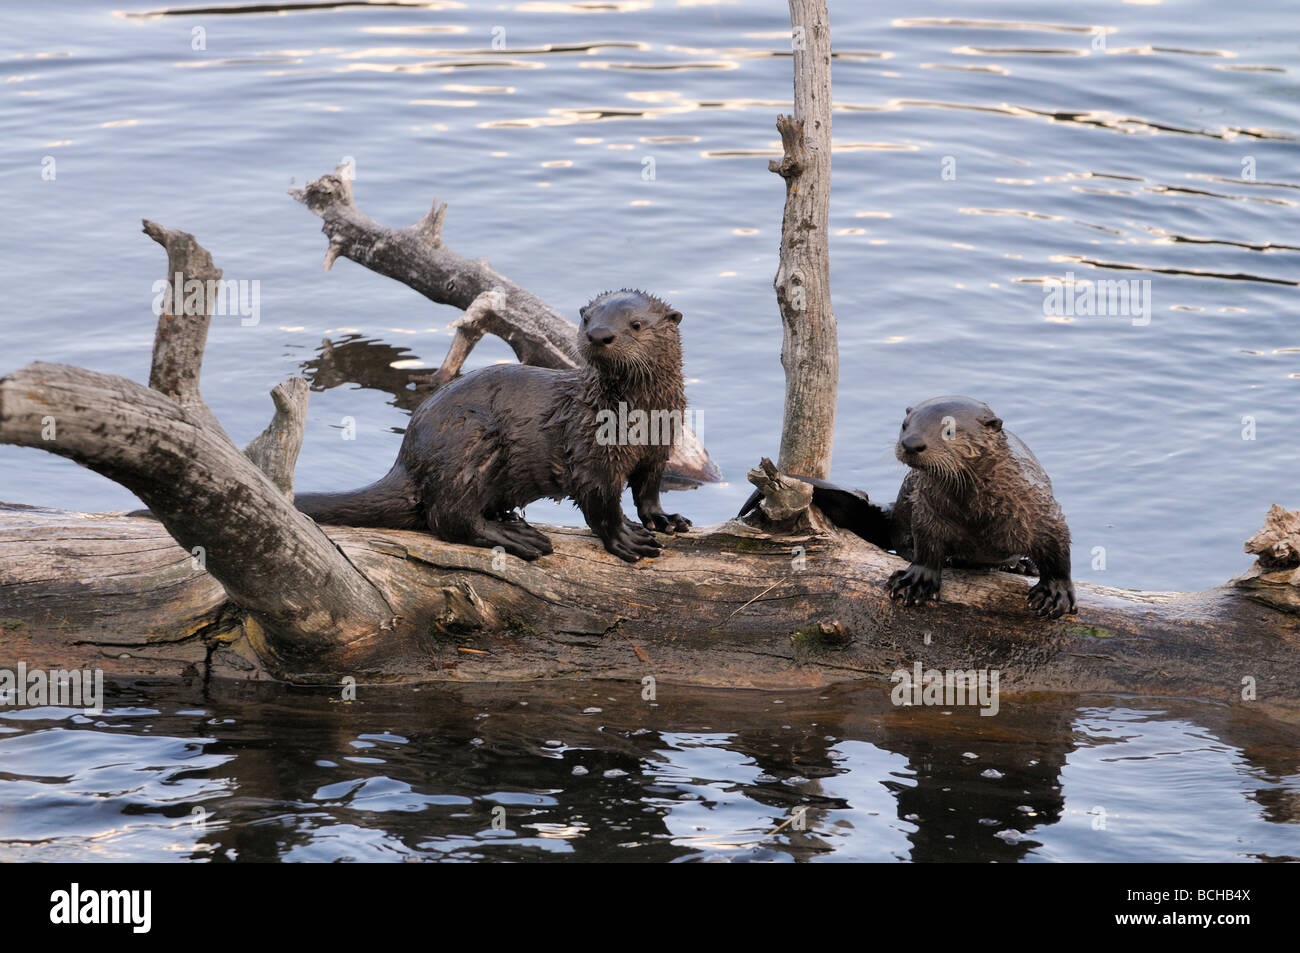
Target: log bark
[(730, 606), (418, 257), (809, 351)]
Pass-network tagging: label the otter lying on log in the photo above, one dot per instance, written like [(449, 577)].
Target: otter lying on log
[(976, 497), (501, 437)]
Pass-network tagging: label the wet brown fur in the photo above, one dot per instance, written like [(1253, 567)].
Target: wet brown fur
[(499, 438), (975, 496)]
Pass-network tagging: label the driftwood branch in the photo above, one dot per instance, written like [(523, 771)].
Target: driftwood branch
[(418, 257), (469, 328), (182, 332), (809, 351)]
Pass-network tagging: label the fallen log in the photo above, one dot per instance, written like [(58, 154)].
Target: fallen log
[(732, 605)]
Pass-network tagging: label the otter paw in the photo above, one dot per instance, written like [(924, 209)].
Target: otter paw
[(914, 585), (1052, 598), (1024, 566), (639, 531), (631, 544), (666, 522)]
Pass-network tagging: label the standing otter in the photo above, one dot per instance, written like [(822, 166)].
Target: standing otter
[(975, 496), (504, 436)]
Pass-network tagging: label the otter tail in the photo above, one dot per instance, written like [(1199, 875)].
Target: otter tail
[(847, 509), (388, 503)]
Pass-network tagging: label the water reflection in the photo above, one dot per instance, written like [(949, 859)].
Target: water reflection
[(592, 771)]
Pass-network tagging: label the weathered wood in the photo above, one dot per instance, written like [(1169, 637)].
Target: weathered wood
[(1275, 577), (730, 606), (469, 329), (275, 450), (809, 351), (182, 332), (272, 560), (418, 257)]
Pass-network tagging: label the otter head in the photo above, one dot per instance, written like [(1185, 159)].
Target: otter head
[(628, 331), (943, 433)]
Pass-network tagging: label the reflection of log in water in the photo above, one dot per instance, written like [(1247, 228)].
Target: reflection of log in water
[(434, 764), (355, 359), (973, 779)]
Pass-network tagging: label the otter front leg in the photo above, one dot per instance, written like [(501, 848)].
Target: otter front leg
[(620, 535), (919, 582), (644, 482), (1053, 597)]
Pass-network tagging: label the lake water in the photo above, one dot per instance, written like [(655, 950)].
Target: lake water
[(981, 150), (591, 771)]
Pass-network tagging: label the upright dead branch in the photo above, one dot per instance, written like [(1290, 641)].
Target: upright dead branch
[(809, 351), (275, 450), (182, 332), (418, 257)]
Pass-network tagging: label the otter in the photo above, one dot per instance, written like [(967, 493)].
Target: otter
[(497, 439), (975, 496)]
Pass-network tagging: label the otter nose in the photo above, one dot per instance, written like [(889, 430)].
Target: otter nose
[(913, 444), (600, 336)]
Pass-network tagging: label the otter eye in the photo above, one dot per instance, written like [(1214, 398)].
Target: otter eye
[(636, 325)]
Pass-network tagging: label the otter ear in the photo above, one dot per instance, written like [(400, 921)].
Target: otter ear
[(674, 316), (991, 420), (908, 410), (582, 312)]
